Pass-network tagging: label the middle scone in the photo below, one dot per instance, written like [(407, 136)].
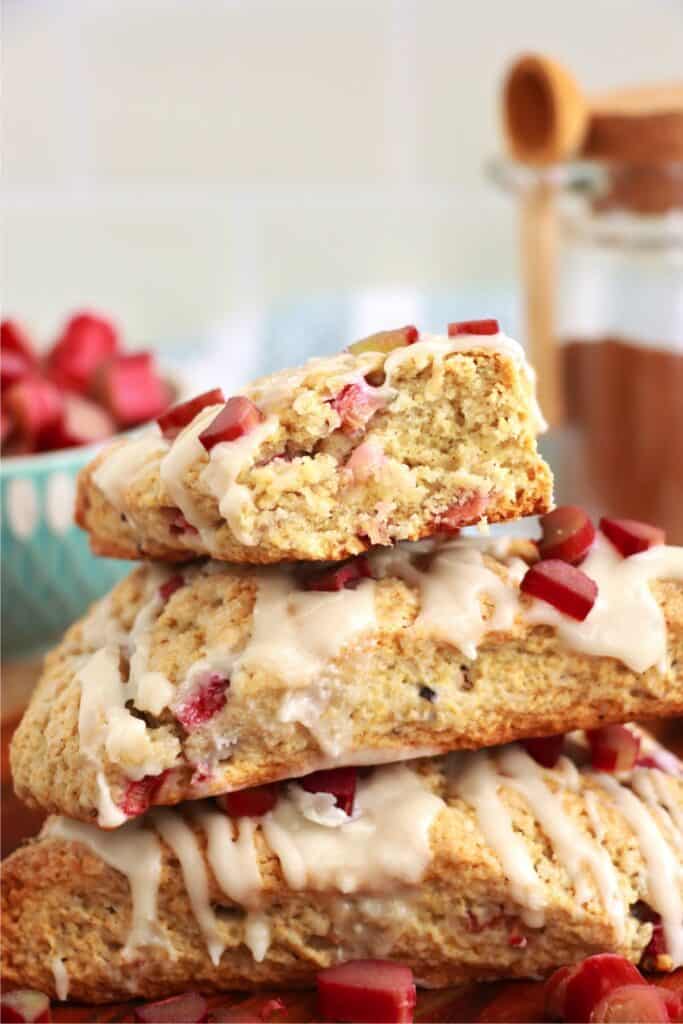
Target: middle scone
[(194, 682)]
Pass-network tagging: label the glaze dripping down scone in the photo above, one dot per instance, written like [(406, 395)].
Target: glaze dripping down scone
[(470, 866), (187, 683), (352, 450)]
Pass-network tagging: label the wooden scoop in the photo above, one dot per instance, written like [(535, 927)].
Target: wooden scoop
[(545, 119)]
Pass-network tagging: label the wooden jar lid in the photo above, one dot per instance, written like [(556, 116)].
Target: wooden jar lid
[(640, 125)]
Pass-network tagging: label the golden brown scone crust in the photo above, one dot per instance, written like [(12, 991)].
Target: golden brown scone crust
[(523, 682), (450, 436), (60, 899)]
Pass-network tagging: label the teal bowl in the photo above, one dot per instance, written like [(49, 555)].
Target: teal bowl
[(49, 575)]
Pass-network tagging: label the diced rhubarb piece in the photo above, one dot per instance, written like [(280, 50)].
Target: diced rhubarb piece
[(237, 418), (343, 577), (6, 425), (368, 991), (656, 947), (593, 979), (188, 1008), (386, 341), (83, 423), (556, 990), (341, 782), (567, 534), (545, 750), (132, 389), (36, 408), (630, 536), (14, 366), (179, 524), (179, 416), (645, 1004), (561, 585), (139, 794), (251, 1011), (473, 327), (207, 700), (365, 461), (249, 803), (85, 344), (614, 748), (468, 510), (355, 404), (169, 588), (24, 1006), (13, 338)]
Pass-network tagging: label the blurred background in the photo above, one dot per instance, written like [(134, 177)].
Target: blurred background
[(175, 162), (239, 184)]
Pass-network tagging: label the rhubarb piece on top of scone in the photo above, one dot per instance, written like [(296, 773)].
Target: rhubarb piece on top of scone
[(474, 865), (200, 680), (399, 437)]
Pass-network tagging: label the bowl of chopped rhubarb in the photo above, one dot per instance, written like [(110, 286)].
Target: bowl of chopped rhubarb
[(57, 410)]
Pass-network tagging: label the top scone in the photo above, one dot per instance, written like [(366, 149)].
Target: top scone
[(397, 438)]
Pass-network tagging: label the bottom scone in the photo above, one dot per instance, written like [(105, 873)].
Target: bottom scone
[(468, 866)]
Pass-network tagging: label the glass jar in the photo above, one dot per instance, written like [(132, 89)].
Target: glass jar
[(617, 333)]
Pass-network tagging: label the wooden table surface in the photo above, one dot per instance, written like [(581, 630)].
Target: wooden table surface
[(501, 1002)]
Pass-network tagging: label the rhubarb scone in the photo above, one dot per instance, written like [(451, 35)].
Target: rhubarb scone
[(398, 437), (187, 684), (470, 866)]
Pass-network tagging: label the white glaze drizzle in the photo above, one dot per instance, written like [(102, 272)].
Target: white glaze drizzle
[(186, 450), (663, 871), (644, 785), (476, 781), (386, 841), (296, 633), (626, 621), (257, 935), (583, 860), (227, 460), (231, 854), (123, 462), (182, 841), (135, 852), (61, 978)]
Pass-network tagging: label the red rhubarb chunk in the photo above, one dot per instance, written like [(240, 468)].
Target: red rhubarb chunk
[(237, 418), (7, 425), (84, 345), (468, 510), (411, 334), (645, 1004), (341, 782), (131, 389), (593, 979), (249, 803), (344, 577), (473, 327), (24, 1006), (561, 585), (167, 589), (83, 423), (179, 524), (545, 750), (556, 990), (207, 700), (139, 794), (36, 408), (657, 945), (614, 748), (367, 990), (356, 404), (188, 1008), (179, 416), (630, 536), (567, 534), (14, 366), (13, 338)]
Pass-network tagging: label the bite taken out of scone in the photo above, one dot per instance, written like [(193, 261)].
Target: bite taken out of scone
[(475, 865), (394, 439), (195, 681)]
